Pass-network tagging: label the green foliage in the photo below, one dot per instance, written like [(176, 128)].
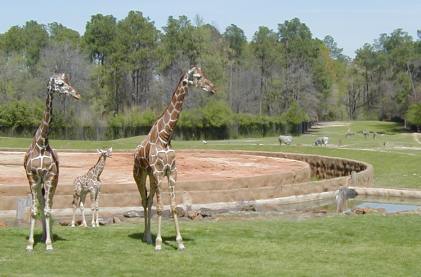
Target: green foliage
[(216, 114), (294, 115), (20, 114), (236, 40), (121, 65), (62, 34), (99, 35), (132, 118), (191, 118), (413, 115)]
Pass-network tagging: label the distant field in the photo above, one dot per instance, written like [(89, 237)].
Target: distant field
[(395, 154)]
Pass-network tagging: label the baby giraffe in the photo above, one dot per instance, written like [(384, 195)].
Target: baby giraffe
[(91, 183)]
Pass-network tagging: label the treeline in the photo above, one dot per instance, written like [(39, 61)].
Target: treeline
[(127, 69)]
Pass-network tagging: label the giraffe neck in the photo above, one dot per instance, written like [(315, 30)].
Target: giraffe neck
[(41, 136), (97, 169), (168, 120)]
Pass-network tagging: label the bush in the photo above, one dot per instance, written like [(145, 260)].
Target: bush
[(413, 115), (20, 114), (217, 114)]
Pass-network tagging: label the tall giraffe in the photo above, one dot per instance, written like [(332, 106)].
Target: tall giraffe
[(90, 182), (41, 163), (155, 158)]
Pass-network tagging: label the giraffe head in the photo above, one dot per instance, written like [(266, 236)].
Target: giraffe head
[(59, 83), (197, 78), (106, 153)]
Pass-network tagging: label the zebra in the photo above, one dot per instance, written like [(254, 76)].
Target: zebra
[(285, 140), (321, 141)]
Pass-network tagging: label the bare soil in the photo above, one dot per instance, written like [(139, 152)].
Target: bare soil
[(191, 166)]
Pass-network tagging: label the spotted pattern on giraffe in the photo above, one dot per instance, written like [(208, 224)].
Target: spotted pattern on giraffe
[(90, 183), (155, 159), (41, 163)]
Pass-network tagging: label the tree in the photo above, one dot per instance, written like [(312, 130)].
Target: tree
[(264, 46), (413, 115), (335, 51), (136, 42), (99, 35), (62, 34)]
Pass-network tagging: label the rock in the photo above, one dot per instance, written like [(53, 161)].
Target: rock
[(2, 224), (105, 221), (116, 220), (64, 222), (132, 213), (248, 208), (193, 215), (180, 212), (368, 210), (205, 212), (360, 210)]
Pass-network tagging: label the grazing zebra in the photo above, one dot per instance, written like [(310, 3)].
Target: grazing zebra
[(285, 140), (321, 141)]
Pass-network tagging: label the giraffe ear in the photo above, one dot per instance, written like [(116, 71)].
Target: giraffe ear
[(99, 151), (110, 149)]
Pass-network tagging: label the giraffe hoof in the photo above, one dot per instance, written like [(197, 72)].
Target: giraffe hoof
[(29, 248), (49, 248), (181, 247), (158, 248)]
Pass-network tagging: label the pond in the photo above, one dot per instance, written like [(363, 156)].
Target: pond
[(388, 205)]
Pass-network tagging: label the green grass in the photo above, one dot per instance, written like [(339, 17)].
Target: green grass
[(372, 245)]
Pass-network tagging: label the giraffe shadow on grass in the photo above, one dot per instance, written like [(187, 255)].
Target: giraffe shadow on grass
[(38, 238), (167, 240)]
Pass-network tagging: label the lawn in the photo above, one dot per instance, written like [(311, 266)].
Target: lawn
[(370, 245)]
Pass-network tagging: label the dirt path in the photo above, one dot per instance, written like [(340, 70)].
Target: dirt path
[(416, 137)]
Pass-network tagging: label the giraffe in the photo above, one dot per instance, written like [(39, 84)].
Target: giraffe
[(155, 158), (41, 163), (91, 183)]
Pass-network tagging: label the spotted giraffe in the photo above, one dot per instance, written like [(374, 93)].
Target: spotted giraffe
[(155, 158), (41, 163), (90, 182)]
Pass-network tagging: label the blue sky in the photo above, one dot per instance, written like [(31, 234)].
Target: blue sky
[(351, 23)]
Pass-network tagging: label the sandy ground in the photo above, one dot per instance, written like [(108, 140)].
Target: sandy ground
[(118, 170)]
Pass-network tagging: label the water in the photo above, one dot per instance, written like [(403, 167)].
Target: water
[(389, 207)]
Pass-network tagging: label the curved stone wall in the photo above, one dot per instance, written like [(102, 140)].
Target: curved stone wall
[(328, 174), (323, 174)]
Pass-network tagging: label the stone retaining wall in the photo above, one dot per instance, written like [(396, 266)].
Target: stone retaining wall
[(328, 174)]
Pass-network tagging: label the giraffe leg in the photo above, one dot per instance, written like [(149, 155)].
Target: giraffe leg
[(34, 209), (92, 196), (171, 183), (96, 207), (139, 175), (159, 208), (76, 200), (149, 207), (49, 187), (82, 209)]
